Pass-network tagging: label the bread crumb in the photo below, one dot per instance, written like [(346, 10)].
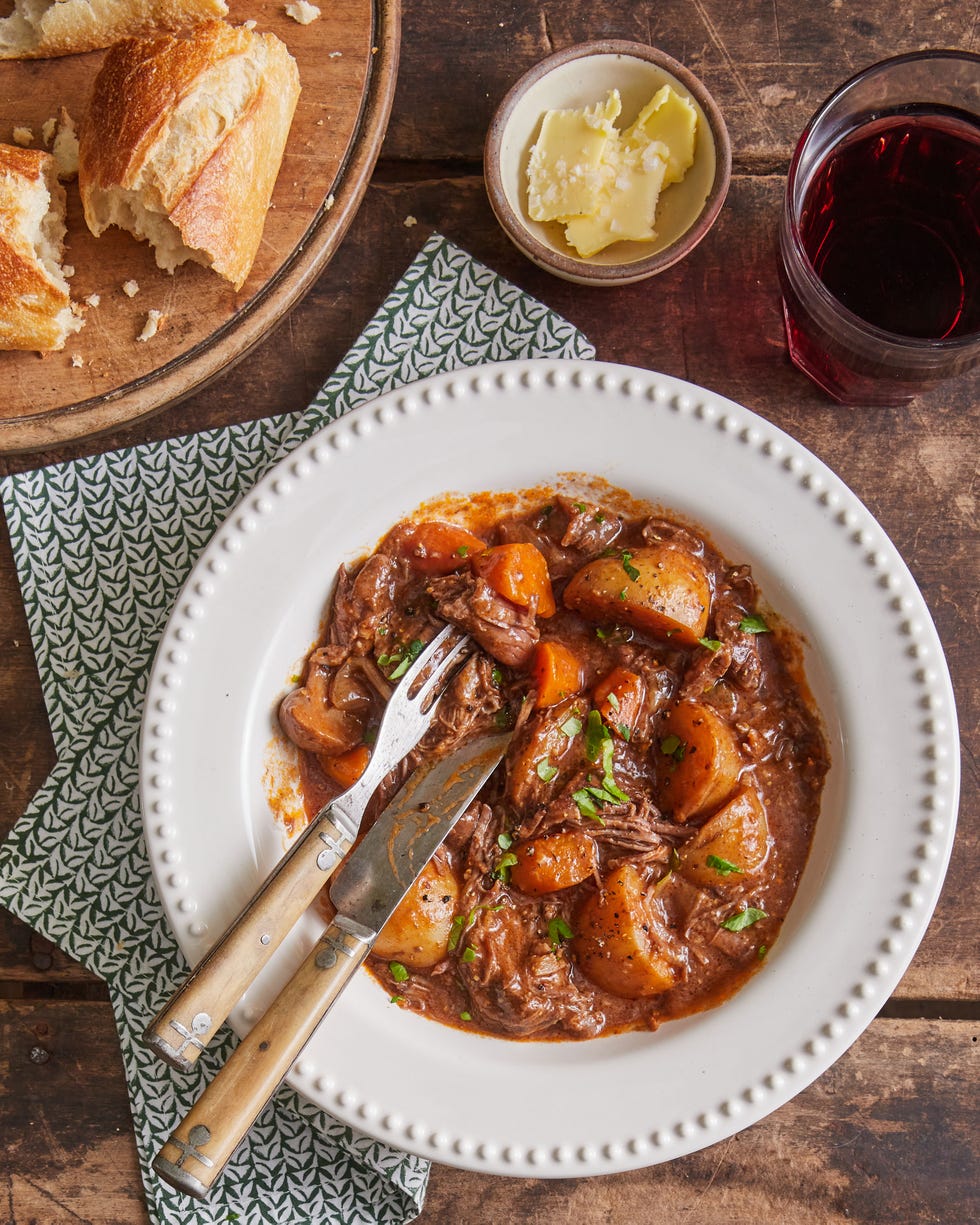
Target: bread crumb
[(329, 202), (302, 12), (335, 55), (410, 221), (76, 360), (93, 299), (48, 129), (65, 147), (23, 137), (250, 24), (154, 320), (130, 288), (68, 271)]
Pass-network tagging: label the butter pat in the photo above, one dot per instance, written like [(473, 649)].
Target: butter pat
[(602, 184), (627, 201), (670, 120), (565, 171)]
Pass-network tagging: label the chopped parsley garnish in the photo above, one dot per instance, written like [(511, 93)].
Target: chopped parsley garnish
[(558, 930), (545, 770), (572, 726), (743, 919), (673, 746), (580, 507), (402, 657), (463, 550), (723, 867), (618, 633), (496, 676), (397, 999), (712, 644), (505, 841), (503, 718), (468, 954), (466, 1016), (398, 971), (595, 733), (612, 700), (502, 870), (462, 922), (763, 949), (753, 624), (628, 566), (624, 731), (586, 805)]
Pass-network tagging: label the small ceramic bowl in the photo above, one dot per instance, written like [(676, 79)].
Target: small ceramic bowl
[(581, 76)]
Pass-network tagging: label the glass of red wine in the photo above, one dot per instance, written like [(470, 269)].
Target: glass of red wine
[(880, 235)]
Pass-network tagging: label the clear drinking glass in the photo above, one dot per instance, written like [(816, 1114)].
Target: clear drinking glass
[(880, 234)]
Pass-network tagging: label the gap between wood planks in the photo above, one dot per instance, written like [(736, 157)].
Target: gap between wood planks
[(395, 170)]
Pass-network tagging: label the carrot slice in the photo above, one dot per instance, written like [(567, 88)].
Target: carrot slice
[(519, 572), (439, 548), (348, 767), (553, 862), (556, 671), (619, 699)]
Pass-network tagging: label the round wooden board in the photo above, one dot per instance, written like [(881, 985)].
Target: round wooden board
[(105, 377)]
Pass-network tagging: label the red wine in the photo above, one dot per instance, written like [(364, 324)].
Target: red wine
[(891, 222)]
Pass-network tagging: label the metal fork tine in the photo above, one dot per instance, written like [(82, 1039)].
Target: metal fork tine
[(440, 675)]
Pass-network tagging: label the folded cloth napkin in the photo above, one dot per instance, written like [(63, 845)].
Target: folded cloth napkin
[(102, 546)]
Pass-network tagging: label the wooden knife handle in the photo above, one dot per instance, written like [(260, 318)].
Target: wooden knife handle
[(199, 1148), (188, 1022)]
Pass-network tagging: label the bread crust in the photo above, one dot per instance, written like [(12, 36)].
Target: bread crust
[(35, 307), (215, 187), (71, 26)]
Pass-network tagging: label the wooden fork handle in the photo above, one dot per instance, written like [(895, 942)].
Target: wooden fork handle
[(185, 1026), (199, 1148)]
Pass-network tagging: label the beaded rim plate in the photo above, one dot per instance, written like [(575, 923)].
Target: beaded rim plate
[(254, 603)]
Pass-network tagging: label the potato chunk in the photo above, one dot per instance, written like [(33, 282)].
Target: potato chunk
[(660, 589), (697, 760), (735, 841), (621, 941), (417, 934), (553, 862)]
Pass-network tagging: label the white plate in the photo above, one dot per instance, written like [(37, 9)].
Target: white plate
[(253, 606)]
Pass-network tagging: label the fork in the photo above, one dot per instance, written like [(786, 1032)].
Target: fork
[(184, 1027)]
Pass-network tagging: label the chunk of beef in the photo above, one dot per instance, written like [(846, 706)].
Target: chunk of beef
[(516, 981), (548, 736), (590, 528), (469, 705), (504, 630), (362, 604)]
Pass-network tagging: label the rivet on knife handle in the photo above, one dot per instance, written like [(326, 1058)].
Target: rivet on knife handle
[(200, 1146), (185, 1026)]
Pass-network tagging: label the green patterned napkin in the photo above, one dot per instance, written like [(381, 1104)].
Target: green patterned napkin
[(103, 546)]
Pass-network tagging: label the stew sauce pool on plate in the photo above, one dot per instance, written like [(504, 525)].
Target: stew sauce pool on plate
[(632, 859)]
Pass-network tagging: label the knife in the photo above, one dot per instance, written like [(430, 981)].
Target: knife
[(185, 1025), (375, 878)]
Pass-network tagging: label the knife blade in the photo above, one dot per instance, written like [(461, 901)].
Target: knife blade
[(374, 879)]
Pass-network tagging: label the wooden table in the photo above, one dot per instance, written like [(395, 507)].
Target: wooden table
[(890, 1133)]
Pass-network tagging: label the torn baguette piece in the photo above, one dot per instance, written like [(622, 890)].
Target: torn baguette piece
[(183, 141), (37, 29), (35, 305)]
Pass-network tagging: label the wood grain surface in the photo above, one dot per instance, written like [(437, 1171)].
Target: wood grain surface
[(105, 376), (890, 1133)]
